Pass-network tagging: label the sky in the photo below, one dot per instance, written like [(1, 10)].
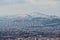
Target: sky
[(14, 7)]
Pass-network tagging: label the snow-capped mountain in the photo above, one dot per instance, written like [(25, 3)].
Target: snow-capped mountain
[(34, 21)]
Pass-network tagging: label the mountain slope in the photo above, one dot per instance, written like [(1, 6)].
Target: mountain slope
[(29, 22)]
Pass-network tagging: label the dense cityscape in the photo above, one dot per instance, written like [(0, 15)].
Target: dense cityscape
[(28, 35)]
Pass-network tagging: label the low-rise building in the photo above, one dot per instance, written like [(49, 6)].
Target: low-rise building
[(7, 38), (29, 38)]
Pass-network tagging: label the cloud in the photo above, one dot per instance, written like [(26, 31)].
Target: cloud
[(12, 2), (43, 3), (13, 6)]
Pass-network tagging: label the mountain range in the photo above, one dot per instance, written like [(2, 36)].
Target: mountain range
[(34, 21)]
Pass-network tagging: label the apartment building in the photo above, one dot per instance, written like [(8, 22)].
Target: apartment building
[(46, 38), (29, 38), (38, 38), (7, 38)]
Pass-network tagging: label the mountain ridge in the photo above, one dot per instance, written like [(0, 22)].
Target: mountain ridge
[(29, 21)]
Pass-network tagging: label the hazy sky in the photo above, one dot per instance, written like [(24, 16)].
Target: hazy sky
[(13, 7)]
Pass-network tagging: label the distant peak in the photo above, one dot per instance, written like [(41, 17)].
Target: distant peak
[(38, 14)]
